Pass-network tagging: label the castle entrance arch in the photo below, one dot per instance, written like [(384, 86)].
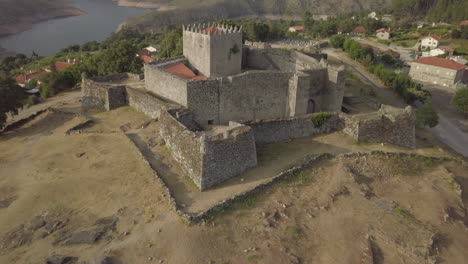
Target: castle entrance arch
[(310, 106)]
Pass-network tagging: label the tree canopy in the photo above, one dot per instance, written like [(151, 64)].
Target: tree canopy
[(11, 97), (460, 100)]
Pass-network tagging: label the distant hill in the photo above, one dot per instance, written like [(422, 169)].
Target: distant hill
[(19, 15), (189, 11)]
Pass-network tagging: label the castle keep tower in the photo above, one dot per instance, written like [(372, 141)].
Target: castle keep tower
[(214, 50)]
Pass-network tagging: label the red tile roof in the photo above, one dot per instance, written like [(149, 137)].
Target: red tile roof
[(440, 62), (146, 59), (61, 66), (382, 30), (23, 79), (183, 71), (298, 28), (434, 37), (464, 23), (212, 30), (359, 29)]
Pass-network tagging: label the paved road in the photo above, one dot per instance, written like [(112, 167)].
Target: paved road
[(451, 135), (446, 131)]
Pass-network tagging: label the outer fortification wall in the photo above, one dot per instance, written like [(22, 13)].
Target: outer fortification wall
[(96, 94), (390, 125), (275, 130), (147, 103), (208, 159)]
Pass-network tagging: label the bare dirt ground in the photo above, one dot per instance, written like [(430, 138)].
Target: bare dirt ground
[(90, 197)]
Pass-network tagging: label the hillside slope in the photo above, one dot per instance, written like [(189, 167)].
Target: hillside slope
[(190, 11), (19, 15)]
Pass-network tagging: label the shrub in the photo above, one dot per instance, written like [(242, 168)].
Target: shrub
[(319, 119), (427, 116)]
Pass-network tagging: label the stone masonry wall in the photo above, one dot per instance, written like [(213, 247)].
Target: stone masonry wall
[(147, 103), (208, 159), (388, 125), (228, 155), (185, 145), (96, 94), (276, 130)]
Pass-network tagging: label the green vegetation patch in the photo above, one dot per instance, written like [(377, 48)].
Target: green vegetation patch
[(319, 119)]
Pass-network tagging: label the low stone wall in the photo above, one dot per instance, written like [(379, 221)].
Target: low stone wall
[(388, 125), (147, 103), (275, 130)]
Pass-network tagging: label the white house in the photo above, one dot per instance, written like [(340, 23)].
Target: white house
[(437, 52), (372, 15), (383, 33), (151, 49), (387, 18), (431, 42)]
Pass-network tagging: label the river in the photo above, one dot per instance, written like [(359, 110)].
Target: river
[(46, 38)]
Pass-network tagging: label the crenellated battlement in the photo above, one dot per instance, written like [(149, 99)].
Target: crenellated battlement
[(212, 29)]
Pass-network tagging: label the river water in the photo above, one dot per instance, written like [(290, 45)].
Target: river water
[(46, 38)]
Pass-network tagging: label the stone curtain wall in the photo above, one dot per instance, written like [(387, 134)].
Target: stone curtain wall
[(228, 155), (147, 103), (96, 94), (208, 159), (389, 125), (185, 145), (276, 130), (167, 85)]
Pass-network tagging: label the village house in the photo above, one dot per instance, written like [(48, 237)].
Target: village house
[(383, 33), (437, 52), (430, 42), (296, 29), (438, 71), (60, 66), (359, 30), (372, 15), (464, 23)]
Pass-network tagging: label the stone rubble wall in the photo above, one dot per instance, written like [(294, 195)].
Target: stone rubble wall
[(388, 125), (97, 94), (209, 159), (147, 103), (228, 155), (276, 130)]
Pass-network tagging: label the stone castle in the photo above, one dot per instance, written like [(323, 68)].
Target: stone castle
[(221, 98)]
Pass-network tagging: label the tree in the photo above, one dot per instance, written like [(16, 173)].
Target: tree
[(456, 34), (171, 44), (11, 97), (460, 100), (307, 20), (119, 57), (257, 31), (427, 116), (337, 41)]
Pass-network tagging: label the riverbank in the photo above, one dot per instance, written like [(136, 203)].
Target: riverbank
[(130, 3), (26, 21)]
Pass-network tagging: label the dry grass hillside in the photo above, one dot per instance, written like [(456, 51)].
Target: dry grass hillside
[(189, 11), (88, 197)]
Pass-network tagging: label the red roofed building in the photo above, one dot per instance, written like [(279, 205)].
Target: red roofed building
[(382, 33), (146, 59), (182, 71), (22, 80), (431, 41), (296, 29), (360, 30), (437, 70), (464, 23)]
